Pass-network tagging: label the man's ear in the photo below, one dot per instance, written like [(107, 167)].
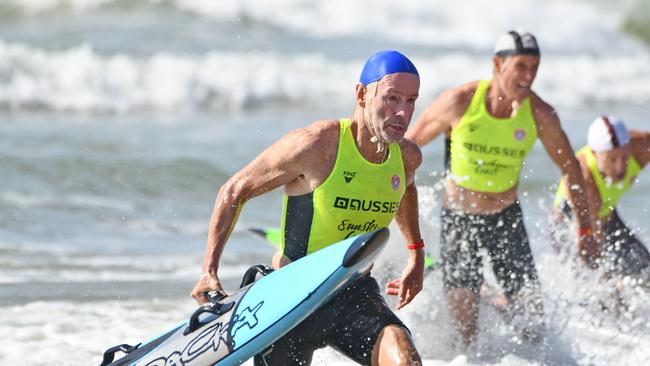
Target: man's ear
[(361, 94), (497, 63)]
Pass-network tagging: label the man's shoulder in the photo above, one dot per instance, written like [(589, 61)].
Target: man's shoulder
[(306, 146), (324, 124), (640, 145), (454, 101), (411, 153), (462, 94), (639, 139), (543, 113), (539, 105), (317, 132)]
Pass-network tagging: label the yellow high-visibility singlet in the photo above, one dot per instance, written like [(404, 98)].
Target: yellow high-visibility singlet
[(610, 192), (357, 197), (487, 153)]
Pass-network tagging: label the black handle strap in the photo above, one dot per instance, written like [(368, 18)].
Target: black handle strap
[(251, 274), (213, 307), (109, 355)]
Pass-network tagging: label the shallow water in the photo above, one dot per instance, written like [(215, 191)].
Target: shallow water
[(119, 121)]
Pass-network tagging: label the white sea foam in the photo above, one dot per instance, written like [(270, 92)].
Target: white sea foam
[(35, 333), (473, 24), (587, 59), (83, 80)]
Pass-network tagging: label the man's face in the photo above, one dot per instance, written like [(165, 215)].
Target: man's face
[(516, 74), (389, 105), (613, 163)]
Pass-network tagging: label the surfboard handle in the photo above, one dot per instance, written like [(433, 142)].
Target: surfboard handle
[(214, 307), (109, 354), (251, 274)]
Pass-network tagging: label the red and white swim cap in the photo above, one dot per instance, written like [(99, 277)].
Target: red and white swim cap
[(607, 133)]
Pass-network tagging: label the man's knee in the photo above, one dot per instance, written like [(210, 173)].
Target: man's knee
[(279, 260), (394, 346)]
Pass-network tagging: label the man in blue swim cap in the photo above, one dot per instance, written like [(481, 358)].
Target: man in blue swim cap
[(323, 167), (384, 65)]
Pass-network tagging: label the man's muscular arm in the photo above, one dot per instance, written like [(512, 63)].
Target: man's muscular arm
[(280, 164)]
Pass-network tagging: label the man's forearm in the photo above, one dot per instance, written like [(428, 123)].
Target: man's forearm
[(407, 215), (223, 220), (578, 196)]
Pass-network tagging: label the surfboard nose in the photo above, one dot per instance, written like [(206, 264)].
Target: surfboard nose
[(364, 246)]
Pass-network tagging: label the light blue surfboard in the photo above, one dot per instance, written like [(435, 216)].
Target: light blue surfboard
[(233, 329)]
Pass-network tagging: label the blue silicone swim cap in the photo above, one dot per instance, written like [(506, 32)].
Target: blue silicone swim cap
[(385, 63)]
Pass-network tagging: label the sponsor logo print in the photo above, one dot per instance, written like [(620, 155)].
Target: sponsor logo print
[(354, 204), (248, 318), (356, 228), (520, 134), (211, 339), (494, 150), (348, 176), (490, 167)]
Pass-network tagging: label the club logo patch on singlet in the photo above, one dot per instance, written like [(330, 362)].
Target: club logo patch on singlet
[(520, 134), (395, 182)]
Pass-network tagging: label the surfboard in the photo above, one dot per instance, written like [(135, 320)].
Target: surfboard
[(272, 236), (232, 329)]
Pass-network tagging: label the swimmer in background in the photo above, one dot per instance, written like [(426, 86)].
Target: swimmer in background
[(610, 164), (490, 126)]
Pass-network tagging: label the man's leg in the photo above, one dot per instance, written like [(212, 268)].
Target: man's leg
[(279, 260), (625, 253), (367, 331), (462, 268), (395, 347), (462, 304), (513, 265), (297, 347)]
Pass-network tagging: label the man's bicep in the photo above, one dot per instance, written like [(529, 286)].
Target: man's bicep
[(276, 166), (555, 141), (642, 148)]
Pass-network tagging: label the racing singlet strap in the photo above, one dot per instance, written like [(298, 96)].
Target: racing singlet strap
[(357, 197), (610, 192), (487, 153)]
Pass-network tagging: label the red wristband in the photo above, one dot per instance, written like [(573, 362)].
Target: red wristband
[(417, 245), (584, 231)]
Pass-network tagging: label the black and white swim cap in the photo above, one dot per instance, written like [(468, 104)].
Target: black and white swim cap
[(516, 43)]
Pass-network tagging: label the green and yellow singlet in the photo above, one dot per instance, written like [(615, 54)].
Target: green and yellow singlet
[(610, 192), (487, 153), (357, 197)]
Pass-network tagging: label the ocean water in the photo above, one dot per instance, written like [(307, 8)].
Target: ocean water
[(119, 120)]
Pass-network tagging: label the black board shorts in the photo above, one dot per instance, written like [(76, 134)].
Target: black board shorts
[(624, 254), (502, 235), (350, 322)]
